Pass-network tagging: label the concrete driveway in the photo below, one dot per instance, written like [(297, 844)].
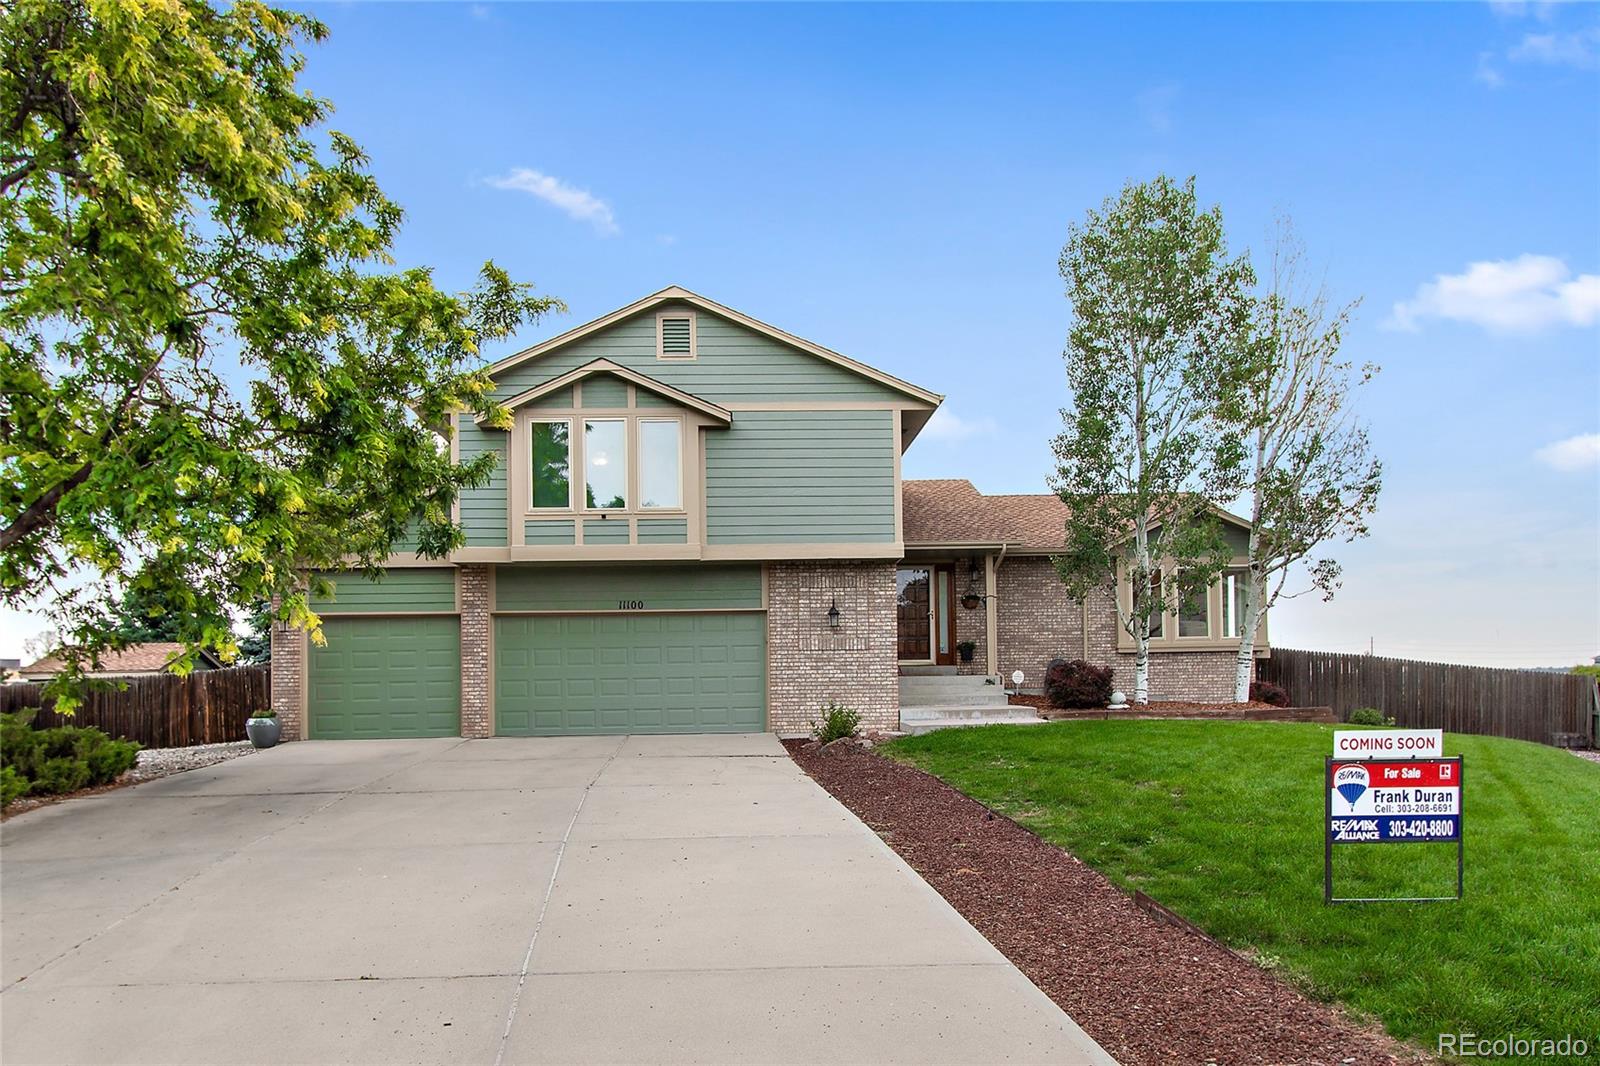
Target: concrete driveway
[(604, 899)]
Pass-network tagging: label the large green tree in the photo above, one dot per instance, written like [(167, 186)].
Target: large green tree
[(212, 372), (1155, 358)]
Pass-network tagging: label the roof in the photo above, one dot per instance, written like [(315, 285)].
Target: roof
[(676, 294), (149, 658), (951, 511)]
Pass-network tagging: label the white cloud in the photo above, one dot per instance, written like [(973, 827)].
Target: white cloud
[(1487, 73), (1156, 105), (1530, 292), (1581, 49), (1574, 453), (578, 203), (1543, 10), (948, 426)]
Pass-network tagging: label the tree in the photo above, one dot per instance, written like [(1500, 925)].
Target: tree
[(152, 609), (211, 371), (1311, 474), (1160, 316)]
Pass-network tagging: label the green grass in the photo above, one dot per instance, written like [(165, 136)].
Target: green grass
[(1223, 822)]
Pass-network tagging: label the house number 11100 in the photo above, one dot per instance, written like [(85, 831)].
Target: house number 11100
[(630, 605)]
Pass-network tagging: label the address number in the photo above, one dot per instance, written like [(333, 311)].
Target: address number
[(630, 605)]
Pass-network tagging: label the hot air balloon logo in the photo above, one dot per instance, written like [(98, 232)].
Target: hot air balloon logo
[(1350, 782)]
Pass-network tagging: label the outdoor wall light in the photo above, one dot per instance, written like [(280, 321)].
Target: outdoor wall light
[(833, 614)]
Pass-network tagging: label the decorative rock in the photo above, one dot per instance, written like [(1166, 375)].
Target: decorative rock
[(1119, 702)]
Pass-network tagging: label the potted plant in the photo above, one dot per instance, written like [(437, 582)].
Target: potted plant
[(263, 728), (971, 601), (965, 648)]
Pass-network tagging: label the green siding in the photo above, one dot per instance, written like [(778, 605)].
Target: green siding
[(734, 365), (559, 400), (483, 509), (605, 531), (646, 398), (401, 589), (386, 677), (548, 532), (598, 588), (604, 390), (663, 531), (665, 673), (801, 476)]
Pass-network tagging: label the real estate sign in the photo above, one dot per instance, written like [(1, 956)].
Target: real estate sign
[(1392, 801), (1388, 743)]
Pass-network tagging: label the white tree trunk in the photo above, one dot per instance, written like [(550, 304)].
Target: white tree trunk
[(1141, 667), (1244, 663)]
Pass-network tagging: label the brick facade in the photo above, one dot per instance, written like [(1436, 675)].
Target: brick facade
[(477, 676), (974, 626), (288, 678), (1038, 621), (809, 664)]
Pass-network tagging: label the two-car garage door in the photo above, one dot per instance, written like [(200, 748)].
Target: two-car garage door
[(576, 650)]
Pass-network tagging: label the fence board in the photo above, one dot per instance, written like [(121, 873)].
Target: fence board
[(161, 710), (1521, 704)]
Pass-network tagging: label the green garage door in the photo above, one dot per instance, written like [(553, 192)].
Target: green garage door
[(646, 673), (386, 677)]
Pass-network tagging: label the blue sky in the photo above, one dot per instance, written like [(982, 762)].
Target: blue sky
[(895, 182)]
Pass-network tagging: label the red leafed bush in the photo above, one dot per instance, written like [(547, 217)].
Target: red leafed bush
[(1267, 692), (1075, 683)]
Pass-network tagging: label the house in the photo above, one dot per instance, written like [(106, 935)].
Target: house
[(136, 660), (697, 523)]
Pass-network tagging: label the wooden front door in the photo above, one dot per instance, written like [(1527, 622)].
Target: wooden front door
[(913, 596)]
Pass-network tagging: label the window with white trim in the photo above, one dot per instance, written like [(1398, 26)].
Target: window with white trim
[(661, 463), (550, 455)]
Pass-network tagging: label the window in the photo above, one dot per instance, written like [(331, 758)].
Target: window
[(1158, 619), (1234, 585), (661, 463), (1194, 613), (551, 455), (605, 464), (675, 336)]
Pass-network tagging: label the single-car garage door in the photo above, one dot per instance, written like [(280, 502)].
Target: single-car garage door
[(636, 673), (386, 677)]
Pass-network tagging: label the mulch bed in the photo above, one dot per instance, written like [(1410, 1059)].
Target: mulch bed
[(1244, 712), (1148, 991)]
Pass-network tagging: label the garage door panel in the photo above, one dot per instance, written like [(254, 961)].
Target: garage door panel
[(679, 672), (386, 677)]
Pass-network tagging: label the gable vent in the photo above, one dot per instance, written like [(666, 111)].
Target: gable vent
[(677, 337)]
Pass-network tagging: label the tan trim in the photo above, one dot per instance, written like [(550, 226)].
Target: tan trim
[(820, 405), (675, 292), (694, 336), (567, 553), (899, 491), (786, 552), (327, 616), (1169, 641), (494, 594), (574, 378), (991, 620)]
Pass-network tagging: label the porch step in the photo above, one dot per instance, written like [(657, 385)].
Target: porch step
[(932, 711), (928, 671), (928, 725), (951, 690)]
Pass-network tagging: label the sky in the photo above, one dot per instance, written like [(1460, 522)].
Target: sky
[(895, 182)]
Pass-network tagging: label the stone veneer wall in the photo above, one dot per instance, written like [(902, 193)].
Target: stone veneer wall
[(288, 677), (1038, 622), (476, 649), (809, 664)]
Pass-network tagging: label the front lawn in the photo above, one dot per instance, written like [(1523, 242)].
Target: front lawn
[(1223, 822)]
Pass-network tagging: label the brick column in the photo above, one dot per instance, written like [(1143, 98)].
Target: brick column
[(476, 648), (288, 678), (809, 664)]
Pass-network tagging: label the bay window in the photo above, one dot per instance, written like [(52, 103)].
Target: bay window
[(661, 463), (605, 464)]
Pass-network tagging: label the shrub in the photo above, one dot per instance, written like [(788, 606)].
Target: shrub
[(837, 723), (62, 759), (1368, 716), (111, 760), (265, 712), (1076, 683), (12, 785), (1267, 692), (61, 774)]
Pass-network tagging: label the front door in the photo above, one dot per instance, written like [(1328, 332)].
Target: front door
[(913, 612)]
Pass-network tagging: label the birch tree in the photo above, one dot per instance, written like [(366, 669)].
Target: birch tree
[(1155, 354), (1312, 475)]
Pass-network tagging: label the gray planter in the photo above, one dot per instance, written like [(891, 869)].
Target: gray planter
[(263, 732)]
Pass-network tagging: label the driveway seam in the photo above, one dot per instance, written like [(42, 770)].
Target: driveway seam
[(544, 906), (159, 896)]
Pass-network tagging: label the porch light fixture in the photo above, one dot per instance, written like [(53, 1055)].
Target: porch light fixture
[(833, 614)]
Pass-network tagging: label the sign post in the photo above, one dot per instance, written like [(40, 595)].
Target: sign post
[(1391, 787)]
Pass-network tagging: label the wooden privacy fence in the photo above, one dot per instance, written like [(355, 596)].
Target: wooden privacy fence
[(162, 710), (1520, 704)]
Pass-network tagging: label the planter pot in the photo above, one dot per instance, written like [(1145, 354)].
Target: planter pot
[(966, 654), (971, 603), (263, 732)]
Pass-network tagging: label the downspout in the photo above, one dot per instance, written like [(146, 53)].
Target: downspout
[(991, 619)]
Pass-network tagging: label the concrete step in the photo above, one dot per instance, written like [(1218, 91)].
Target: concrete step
[(952, 691), (918, 728), (928, 671), (949, 683), (1003, 712)]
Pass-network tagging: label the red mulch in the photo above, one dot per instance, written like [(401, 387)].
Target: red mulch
[(1042, 704), (1147, 991), (1232, 712)]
